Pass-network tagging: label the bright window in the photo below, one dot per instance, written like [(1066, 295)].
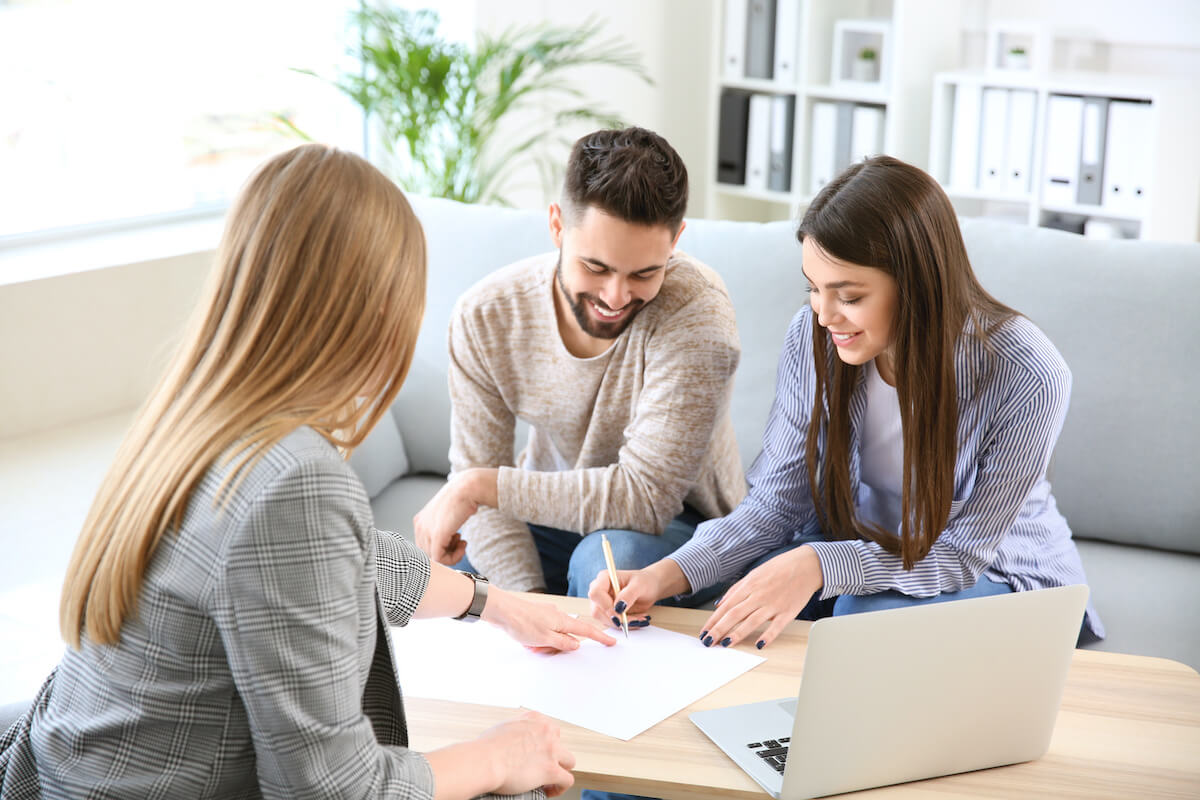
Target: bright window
[(120, 109)]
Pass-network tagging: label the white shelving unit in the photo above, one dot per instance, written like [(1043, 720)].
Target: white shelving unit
[(916, 39), (1172, 130)]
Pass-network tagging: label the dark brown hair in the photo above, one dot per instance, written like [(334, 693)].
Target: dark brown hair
[(887, 214), (632, 174)]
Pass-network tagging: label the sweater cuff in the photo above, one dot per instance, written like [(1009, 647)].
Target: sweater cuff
[(509, 492), (841, 568)]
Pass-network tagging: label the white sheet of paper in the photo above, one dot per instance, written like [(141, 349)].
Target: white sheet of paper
[(624, 689), (619, 691), (468, 662)]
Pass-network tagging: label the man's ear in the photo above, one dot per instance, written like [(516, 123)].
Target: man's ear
[(675, 243), (556, 225)]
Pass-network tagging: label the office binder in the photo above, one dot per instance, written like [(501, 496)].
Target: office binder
[(787, 40), (1064, 123), (1018, 150), (992, 144), (760, 39), (779, 175), (1091, 150), (964, 138), (843, 147), (734, 67), (1128, 162), (758, 142), (823, 145), (731, 137), (866, 138)]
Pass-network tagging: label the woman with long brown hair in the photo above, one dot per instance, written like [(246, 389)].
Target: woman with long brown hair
[(905, 456), (228, 600)]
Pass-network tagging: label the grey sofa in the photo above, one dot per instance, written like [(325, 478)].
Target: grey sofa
[(1126, 471)]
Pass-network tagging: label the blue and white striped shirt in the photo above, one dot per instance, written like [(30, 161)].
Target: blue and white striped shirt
[(1003, 522)]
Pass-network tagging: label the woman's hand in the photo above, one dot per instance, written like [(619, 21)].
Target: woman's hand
[(539, 626), (513, 757), (771, 595), (435, 526), (528, 754), (640, 589)]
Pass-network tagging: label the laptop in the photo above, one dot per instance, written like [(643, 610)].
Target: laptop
[(910, 693)]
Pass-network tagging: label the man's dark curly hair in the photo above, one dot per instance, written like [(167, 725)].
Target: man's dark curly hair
[(632, 174)]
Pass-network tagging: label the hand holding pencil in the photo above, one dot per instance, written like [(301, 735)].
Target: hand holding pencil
[(621, 596)]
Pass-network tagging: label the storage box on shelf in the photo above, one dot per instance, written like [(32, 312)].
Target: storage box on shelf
[(826, 109), (1100, 153)]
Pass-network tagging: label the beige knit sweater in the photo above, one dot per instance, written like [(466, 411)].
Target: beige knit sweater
[(620, 440)]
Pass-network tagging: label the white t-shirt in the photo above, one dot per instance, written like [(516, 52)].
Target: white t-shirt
[(882, 454)]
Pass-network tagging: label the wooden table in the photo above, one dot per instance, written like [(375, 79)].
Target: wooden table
[(1129, 727)]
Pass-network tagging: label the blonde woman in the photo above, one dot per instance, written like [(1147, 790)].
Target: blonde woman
[(227, 603)]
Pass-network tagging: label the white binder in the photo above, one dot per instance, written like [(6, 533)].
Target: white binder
[(992, 144), (1091, 151), (824, 145), (964, 138), (1060, 172), (866, 133), (1018, 160), (734, 67), (787, 39), (758, 143), (1128, 160)]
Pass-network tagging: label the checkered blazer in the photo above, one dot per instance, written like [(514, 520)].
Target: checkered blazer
[(257, 664)]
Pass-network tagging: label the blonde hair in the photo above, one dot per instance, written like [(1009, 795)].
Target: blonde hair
[(315, 300)]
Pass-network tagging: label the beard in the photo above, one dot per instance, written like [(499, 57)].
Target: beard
[(590, 325)]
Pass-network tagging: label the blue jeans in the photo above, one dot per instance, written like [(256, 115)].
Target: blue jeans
[(570, 562)]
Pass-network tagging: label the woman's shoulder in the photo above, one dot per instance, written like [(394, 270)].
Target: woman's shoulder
[(299, 470), (1016, 354)]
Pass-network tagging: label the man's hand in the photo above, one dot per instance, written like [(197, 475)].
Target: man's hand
[(436, 525), (771, 595)]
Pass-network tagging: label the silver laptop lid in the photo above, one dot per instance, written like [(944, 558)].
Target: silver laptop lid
[(894, 696)]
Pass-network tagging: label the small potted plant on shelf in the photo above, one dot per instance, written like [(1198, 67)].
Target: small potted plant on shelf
[(866, 66), (1016, 58)]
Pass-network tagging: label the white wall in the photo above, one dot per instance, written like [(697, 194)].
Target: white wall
[(674, 38), (92, 343)]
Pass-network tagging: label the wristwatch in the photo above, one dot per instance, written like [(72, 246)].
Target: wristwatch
[(475, 610)]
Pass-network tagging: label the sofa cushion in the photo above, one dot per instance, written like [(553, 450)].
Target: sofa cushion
[(760, 264), (1147, 599), (380, 459), (1121, 313), (395, 507)]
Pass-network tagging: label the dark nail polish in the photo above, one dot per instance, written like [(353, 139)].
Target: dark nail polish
[(760, 644), (639, 623), (619, 607), (726, 642), (703, 634), (708, 640), (616, 622)]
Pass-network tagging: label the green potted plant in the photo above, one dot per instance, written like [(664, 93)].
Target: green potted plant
[(1016, 58), (458, 121), (866, 65)]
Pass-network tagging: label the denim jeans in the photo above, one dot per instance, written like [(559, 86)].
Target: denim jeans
[(571, 562)]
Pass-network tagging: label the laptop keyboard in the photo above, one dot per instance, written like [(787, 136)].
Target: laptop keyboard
[(772, 751)]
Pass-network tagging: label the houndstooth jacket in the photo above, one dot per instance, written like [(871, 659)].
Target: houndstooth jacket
[(257, 664)]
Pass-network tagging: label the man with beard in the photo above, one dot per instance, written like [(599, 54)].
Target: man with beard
[(619, 351)]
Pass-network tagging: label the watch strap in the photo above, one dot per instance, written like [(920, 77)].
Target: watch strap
[(478, 600)]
